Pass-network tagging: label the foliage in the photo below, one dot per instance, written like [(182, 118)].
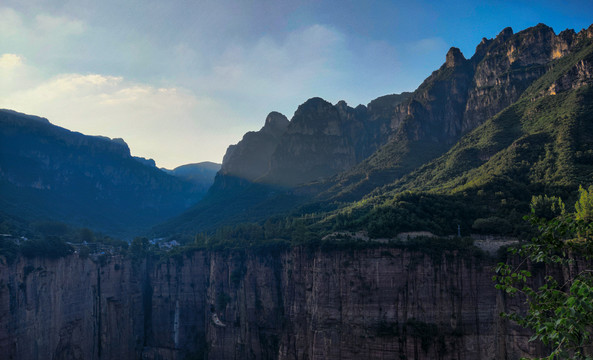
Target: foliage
[(561, 309), (50, 246), (492, 225), (547, 207), (584, 206), (9, 249), (139, 247)]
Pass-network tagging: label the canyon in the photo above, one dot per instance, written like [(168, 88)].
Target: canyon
[(472, 145), (303, 303)]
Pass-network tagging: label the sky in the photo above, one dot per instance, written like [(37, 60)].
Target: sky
[(179, 81)]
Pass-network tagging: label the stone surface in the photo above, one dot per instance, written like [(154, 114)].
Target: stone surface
[(302, 304), (250, 158)]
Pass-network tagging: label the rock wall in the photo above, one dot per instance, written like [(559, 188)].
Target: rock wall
[(70, 308), (302, 304)]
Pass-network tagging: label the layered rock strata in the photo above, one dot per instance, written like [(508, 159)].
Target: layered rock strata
[(301, 304)]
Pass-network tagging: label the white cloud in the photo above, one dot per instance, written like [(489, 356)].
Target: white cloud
[(231, 92), (169, 124), (181, 96), (10, 61), (274, 73), (58, 25), (43, 38)]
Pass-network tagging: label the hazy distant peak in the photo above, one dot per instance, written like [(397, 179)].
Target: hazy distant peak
[(208, 165)]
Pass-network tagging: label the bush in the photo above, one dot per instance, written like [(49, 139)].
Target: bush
[(50, 246), (492, 225)]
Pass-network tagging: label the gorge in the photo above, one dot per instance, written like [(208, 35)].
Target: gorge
[(268, 263)]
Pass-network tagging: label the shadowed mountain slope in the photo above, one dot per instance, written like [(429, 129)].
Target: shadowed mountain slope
[(440, 139), (50, 173)]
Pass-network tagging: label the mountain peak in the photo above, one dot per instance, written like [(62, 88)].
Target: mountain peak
[(276, 123), (454, 57), (314, 103), (506, 33)]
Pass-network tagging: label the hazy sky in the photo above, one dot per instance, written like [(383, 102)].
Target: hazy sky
[(181, 80)]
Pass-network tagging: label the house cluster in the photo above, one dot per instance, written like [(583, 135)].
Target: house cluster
[(162, 244), (95, 248)]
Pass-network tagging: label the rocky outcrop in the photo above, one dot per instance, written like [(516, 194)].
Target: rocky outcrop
[(299, 304), (579, 75), (460, 96), (321, 140), (250, 158), (507, 65)]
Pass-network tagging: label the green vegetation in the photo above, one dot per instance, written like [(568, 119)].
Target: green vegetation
[(561, 307), (51, 240), (584, 206), (50, 246)]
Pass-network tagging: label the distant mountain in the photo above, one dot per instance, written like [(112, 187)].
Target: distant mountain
[(200, 174), (529, 90), (50, 173), (257, 173)]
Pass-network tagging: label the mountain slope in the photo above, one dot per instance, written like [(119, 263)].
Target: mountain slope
[(455, 99), (541, 144), (461, 141), (258, 174), (50, 173), (200, 174), (250, 158)]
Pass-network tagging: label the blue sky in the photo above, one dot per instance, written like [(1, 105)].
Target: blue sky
[(181, 80)]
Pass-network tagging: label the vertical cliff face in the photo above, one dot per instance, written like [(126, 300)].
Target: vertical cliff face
[(507, 65), (70, 308), (319, 142), (302, 304)]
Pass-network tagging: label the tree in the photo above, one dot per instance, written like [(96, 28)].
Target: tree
[(560, 311), (584, 206), (547, 207), (139, 247), (86, 235)]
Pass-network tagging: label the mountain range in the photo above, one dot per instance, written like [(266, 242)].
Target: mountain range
[(476, 140), (48, 173), (468, 148)]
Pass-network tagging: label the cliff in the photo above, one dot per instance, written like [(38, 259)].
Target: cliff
[(250, 158), (462, 95), (50, 173), (469, 112), (300, 304)]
